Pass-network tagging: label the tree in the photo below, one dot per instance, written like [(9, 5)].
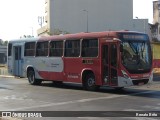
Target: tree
[(5, 43), (1, 42), (26, 36)]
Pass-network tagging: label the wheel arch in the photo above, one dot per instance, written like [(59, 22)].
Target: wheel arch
[(89, 80), (86, 72), (28, 68)]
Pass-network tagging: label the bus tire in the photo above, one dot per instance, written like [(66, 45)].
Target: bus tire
[(89, 82), (31, 78)]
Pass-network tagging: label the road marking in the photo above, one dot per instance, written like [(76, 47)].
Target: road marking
[(78, 101)]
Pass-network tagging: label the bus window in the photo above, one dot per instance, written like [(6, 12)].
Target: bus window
[(72, 48), (9, 49), (29, 49), (42, 49), (56, 48), (89, 48), (17, 53), (113, 55)]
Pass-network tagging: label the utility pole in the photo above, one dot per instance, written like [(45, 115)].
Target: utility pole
[(87, 17)]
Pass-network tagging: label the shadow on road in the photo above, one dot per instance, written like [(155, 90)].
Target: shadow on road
[(126, 91)]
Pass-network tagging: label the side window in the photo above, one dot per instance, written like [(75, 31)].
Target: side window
[(16, 53), (105, 54), (56, 48), (89, 48), (42, 49), (72, 48), (113, 55), (29, 49), (9, 49)]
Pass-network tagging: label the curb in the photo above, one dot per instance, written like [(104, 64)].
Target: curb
[(6, 76)]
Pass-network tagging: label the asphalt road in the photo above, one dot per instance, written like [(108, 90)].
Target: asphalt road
[(18, 95)]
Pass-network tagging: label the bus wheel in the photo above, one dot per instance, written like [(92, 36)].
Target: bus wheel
[(89, 82), (31, 78)]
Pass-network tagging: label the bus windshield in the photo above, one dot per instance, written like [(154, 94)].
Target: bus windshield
[(136, 56)]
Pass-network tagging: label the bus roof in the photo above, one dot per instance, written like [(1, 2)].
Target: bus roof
[(85, 35), (23, 40), (81, 35)]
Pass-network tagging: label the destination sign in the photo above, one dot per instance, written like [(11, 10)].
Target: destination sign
[(133, 37)]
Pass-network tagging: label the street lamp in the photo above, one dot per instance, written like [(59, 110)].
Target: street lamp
[(87, 17)]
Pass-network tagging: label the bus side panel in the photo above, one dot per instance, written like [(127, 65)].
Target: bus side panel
[(56, 76), (72, 69), (75, 66), (49, 68)]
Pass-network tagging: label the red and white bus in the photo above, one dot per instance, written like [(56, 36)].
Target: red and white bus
[(111, 58)]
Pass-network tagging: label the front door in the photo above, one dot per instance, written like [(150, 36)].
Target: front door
[(17, 61), (109, 64)]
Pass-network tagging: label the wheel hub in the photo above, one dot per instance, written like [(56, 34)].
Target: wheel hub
[(91, 82)]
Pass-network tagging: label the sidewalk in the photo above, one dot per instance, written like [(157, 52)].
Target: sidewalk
[(6, 76), (4, 72)]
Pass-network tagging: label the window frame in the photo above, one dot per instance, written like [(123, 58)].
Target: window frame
[(62, 48), (87, 39), (10, 45), (33, 49), (42, 50), (74, 54)]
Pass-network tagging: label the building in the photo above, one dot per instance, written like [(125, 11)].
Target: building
[(3, 54), (155, 27), (155, 35), (72, 16)]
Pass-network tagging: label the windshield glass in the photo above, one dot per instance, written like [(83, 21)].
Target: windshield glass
[(136, 56)]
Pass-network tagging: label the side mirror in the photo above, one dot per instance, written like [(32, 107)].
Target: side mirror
[(121, 48)]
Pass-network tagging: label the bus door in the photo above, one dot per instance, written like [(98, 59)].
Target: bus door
[(17, 61), (109, 64)]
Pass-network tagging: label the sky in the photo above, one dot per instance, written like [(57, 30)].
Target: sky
[(20, 17), (143, 9)]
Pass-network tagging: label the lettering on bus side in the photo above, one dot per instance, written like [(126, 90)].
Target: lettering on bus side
[(73, 75), (87, 61)]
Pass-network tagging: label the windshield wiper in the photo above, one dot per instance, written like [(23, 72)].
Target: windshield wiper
[(136, 51), (142, 48), (134, 48)]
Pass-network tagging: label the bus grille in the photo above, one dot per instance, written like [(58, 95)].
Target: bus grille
[(139, 82)]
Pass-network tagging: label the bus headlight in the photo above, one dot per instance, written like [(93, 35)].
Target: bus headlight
[(125, 75)]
